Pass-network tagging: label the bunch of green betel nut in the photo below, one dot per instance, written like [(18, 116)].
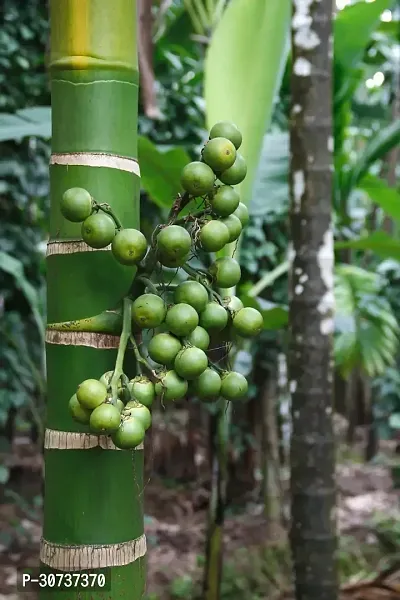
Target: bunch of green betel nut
[(182, 319)]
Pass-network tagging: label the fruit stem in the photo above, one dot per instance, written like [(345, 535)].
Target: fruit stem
[(166, 286), (178, 205), (191, 217), (123, 342), (217, 297), (141, 361), (216, 367), (192, 272), (149, 284), (148, 264), (108, 210), (200, 277)]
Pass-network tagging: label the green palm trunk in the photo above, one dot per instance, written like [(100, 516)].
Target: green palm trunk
[(93, 493)]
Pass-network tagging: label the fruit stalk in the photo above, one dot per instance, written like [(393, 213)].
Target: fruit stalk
[(123, 342), (108, 211), (141, 361), (219, 440), (93, 514), (220, 424), (178, 205)]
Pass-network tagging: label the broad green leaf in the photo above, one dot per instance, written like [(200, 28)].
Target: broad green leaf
[(379, 242), (14, 267), (380, 144), (26, 122), (353, 27), (366, 330), (243, 69), (161, 171), (380, 193), (270, 193)]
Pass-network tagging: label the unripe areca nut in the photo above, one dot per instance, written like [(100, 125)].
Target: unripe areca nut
[(197, 179), (219, 154)]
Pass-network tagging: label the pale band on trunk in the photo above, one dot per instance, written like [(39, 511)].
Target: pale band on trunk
[(79, 558), (102, 341), (71, 440), (71, 247), (96, 159)]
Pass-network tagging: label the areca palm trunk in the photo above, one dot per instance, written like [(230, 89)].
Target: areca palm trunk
[(311, 325), (93, 514)]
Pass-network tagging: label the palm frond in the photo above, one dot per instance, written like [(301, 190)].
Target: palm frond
[(366, 330)]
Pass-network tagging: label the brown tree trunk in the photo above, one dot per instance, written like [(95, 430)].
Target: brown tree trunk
[(351, 396), (282, 416), (372, 441), (313, 497), (392, 159), (145, 43), (271, 484)]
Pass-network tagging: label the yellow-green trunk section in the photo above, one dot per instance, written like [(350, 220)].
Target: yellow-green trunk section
[(93, 497)]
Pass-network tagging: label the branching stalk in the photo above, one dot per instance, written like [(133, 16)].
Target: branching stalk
[(123, 342), (178, 205), (141, 361), (214, 366), (149, 284), (191, 217), (166, 286)]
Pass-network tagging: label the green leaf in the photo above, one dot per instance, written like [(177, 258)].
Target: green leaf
[(379, 145), (366, 330), (26, 122), (243, 69), (379, 242), (276, 316), (14, 267), (394, 421), (270, 192), (380, 193), (353, 27), (161, 171)]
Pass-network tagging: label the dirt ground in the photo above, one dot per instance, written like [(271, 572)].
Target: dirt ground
[(175, 528)]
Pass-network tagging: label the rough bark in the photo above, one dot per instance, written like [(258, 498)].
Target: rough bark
[(392, 159), (313, 536)]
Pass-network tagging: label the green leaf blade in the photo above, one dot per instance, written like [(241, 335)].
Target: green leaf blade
[(353, 27), (161, 171), (238, 86), (381, 194)]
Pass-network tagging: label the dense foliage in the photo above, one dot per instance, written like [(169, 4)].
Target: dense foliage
[(364, 202)]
